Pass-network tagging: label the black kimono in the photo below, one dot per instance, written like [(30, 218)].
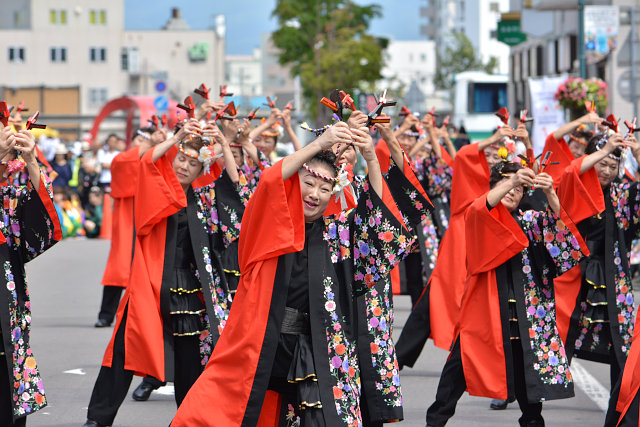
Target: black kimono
[(29, 227)]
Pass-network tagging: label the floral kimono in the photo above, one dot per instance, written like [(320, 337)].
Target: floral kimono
[(346, 255), (512, 260), (603, 317), (206, 217), (29, 227)]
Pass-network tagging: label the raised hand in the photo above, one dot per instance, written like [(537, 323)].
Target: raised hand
[(524, 177), (336, 134), (357, 119), (362, 139)]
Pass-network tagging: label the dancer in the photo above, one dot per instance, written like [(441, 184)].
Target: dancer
[(124, 179), (506, 342), (291, 327), (30, 227), (176, 303)]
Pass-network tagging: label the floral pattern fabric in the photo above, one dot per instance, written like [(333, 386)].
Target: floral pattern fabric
[(29, 230), (550, 359)]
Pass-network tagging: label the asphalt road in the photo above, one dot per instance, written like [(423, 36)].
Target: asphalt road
[(66, 294)]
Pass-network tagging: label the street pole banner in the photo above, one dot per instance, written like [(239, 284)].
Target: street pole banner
[(547, 113)]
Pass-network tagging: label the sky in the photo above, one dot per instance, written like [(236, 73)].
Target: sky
[(248, 19)]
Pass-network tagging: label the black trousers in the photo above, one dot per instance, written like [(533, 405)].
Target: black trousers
[(113, 383), (452, 386), (413, 271), (110, 300), (6, 399), (630, 418), (415, 332)]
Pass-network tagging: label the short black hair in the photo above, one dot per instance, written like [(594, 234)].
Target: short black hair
[(327, 158), (148, 129), (500, 169), (595, 144)]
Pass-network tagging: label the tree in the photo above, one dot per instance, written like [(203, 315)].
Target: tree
[(326, 43), (459, 56)]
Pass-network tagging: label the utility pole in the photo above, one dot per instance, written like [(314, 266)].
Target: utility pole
[(581, 47), (633, 44)]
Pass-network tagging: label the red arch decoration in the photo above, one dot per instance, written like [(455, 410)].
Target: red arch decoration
[(131, 104)]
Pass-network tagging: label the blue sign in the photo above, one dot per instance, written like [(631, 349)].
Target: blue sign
[(161, 103), (161, 86)]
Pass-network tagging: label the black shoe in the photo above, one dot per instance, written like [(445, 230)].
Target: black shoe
[(142, 392), (91, 423), (498, 404), (101, 323)]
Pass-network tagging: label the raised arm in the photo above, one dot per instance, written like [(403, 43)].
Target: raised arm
[(447, 142), (504, 131), (362, 140), (571, 126), (397, 153), (212, 131), (338, 133), (520, 178), (26, 143), (286, 118), (271, 120), (544, 181), (613, 142), (190, 127)]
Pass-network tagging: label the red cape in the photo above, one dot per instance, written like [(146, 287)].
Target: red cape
[(124, 173), (630, 384), (221, 394), (158, 196), (470, 181), (493, 237), (560, 154)]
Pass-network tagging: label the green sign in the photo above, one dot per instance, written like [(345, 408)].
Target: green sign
[(198, 52), (509, 33)]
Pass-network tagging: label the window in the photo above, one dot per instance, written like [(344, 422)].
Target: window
[(16, 54), (98, 96), (487, 97), (57, 16), (423, 57), (58, 54), (98, 17), (98, 54), (129, 59)]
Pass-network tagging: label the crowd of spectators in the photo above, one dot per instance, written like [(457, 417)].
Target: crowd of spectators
[(82, 172)]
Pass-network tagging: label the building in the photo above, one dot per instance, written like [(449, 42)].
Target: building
[(276, 79), (67, 58), (410, 66), (243, 74), (477, 19), (552, 49)]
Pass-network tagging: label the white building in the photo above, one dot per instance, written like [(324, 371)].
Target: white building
[(243, 74), (411, 65), (551, 49), (477, 19), (68, 57)]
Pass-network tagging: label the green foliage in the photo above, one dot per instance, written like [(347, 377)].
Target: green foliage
[(326, 44), (460, 55)]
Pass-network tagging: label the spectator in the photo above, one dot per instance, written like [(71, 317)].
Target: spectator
[(61, 166), (93, 213), (88, 174), (105, 157), (69, 213)]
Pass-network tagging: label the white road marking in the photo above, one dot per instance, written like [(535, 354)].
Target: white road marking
[(75, 372), (166, 390), (590, 385)]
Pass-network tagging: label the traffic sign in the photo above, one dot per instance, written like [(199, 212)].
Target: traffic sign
[(509, 32), (161, 103), (161, 86)]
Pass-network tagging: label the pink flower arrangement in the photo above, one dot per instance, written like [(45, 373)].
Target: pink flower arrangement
[(574, 91)]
